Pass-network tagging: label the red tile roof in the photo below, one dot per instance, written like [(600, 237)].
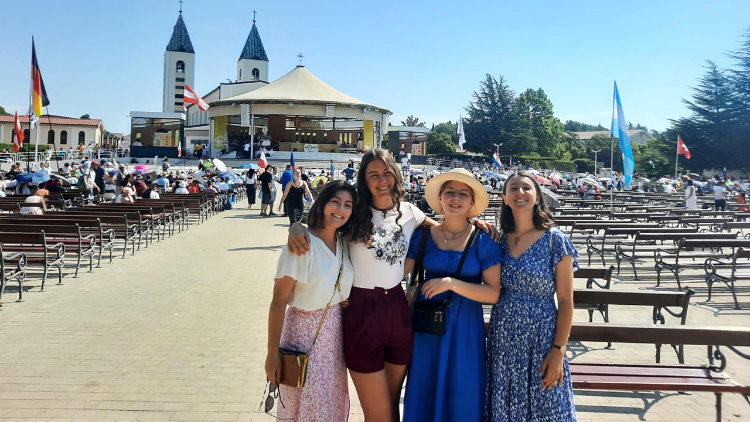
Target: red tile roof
[(55, 120)]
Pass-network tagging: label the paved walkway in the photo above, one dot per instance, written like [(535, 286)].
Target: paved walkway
[(178, 332)]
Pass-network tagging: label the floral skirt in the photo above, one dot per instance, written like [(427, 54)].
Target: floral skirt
[(325, 396)]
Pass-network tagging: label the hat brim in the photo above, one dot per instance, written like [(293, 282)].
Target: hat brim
[(432, 192)]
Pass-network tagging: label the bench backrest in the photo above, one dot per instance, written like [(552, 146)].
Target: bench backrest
[(660, 334)]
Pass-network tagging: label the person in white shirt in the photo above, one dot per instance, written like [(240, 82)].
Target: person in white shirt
[(691, 199), (246, 149), (182, 189), (308, 293), (127, 196), (405, 166), (720, 197)]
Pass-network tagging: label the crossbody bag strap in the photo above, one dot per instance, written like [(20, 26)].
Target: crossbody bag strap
[(336, 287)]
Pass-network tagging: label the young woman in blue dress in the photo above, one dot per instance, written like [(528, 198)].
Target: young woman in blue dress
[(528, 378), (447, 376)]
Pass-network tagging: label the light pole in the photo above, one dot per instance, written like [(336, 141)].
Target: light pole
[(596, 151)]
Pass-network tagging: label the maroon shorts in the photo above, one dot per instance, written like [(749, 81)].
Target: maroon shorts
[(377, 329)]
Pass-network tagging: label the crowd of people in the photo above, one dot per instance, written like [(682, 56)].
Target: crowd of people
[(338, 298)]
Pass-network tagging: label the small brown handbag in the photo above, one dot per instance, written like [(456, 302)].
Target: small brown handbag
[(294, 363)]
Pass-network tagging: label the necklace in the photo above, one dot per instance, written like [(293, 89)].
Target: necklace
[(517, 238), (455, 235), (384, 211)]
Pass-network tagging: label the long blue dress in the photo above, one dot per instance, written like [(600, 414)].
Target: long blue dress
[(521, 333), (447, 375)]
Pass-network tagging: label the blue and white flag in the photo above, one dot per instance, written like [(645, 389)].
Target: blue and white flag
[(460, 132), (496, 160), (620, 131), (724, 173), (291, 161)]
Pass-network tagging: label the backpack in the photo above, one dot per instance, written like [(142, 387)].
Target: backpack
[(82, 182)]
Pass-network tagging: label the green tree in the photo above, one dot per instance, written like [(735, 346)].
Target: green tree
[(493, 117), (451, 129), (85, 116), (739, 107), (412, 121), (536, 111), (573, 126), (3, 112), (711, 130), (439, 143)]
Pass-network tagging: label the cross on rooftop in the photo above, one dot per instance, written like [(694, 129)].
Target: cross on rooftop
[(300, 56), (180, 1), (254, 16)]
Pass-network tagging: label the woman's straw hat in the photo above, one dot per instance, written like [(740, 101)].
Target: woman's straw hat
[(432, 191)]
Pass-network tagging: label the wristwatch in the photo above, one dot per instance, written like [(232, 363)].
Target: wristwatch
[(560, 348)]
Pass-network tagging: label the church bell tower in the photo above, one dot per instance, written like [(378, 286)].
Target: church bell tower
[(253, 62), (179, 67)]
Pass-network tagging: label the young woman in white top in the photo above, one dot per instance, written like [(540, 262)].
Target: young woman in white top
[(250, 179), (306, 283)]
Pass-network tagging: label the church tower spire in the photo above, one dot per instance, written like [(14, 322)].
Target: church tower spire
[(253, 62), (179, 66)]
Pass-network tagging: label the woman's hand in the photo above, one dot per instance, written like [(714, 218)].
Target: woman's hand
[(273, 367), (488, 228), (436, 286), (299, 240), (345, 303), (552, 369)]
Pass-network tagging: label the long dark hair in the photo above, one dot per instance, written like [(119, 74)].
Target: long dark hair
[(315, 217), (542, 217), (363, 226)]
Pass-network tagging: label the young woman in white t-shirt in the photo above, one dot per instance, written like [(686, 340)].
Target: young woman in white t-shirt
[(306, 283)]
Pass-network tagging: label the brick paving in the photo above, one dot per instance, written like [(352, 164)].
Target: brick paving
[(178, 332)]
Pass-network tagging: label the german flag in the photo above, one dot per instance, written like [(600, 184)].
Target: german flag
[(38, 93)]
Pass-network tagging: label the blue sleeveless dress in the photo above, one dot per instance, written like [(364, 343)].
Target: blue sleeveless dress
[(521, 333), (447, 376)]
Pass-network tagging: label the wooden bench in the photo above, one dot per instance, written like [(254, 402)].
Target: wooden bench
[(12, 267), (675, 304), (112, 227), (683, 378), (613, 230), (596, 226), (669, 259), (75, 241), (740, 226), (712, 224), (38, 251), (728, 271)]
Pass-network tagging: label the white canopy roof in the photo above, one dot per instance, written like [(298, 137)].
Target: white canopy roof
[(298, 86)]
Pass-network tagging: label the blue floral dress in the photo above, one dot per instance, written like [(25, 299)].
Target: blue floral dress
[(447, 376), (521, 333)]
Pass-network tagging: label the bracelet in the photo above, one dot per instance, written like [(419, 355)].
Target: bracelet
[(557, 347)]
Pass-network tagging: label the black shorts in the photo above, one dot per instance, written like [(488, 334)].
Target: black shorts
[(265, 198)]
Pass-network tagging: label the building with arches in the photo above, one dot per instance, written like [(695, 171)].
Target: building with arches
[(62, 132)]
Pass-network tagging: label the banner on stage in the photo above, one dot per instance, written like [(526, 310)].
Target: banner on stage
[(369, 138)]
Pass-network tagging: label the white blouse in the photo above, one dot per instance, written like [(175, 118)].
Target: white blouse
[(316, 273)]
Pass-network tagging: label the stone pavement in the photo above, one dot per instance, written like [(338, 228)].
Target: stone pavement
[(178, 332)]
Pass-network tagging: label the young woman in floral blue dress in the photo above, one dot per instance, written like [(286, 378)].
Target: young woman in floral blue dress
[(528, 378)]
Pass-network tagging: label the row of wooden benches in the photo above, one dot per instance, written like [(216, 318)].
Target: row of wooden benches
[(44, 240)]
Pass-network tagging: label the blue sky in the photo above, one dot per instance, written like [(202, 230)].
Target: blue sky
[(424, 58)]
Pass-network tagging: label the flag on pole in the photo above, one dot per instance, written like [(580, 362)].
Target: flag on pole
[(18, 141), (724, 173), (39, 97), (179, 147), (682, 148), (262, 162), (294, 166), (620, 131), (461, 136), (496, 160), (510, 161), (653, 166), (189, 96)]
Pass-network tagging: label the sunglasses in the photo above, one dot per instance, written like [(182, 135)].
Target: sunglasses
[(273, 393)]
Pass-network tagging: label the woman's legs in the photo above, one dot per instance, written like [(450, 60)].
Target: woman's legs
[(395, 375), (374, 396)]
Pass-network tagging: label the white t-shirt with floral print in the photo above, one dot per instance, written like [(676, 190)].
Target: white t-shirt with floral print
[(380, 262)]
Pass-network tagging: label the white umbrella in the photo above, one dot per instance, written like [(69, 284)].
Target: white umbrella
[(219, 165)]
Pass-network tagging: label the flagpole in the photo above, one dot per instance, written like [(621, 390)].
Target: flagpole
[(612, 170), (57, 156), (676, 157)]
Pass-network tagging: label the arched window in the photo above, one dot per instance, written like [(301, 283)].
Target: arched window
[(26, 136), (180, 66), (50, 136), (256, 73), (64, 137), (81, 138)]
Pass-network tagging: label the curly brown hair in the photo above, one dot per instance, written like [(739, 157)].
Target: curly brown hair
[(542, 217), (362, 217)]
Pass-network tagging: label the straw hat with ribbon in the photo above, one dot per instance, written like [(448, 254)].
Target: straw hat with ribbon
[(432, 191)]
